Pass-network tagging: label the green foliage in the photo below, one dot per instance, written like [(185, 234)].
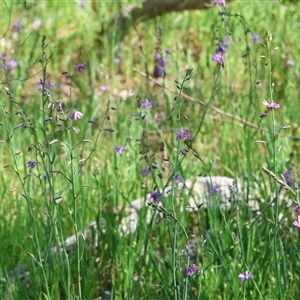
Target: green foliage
[(91, 182)]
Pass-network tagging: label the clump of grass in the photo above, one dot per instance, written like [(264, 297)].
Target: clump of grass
[(76, 150)]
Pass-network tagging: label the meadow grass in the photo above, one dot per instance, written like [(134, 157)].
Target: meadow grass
[(61, 170)]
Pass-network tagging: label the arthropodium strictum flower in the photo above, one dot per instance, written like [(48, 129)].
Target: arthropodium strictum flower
[(10, 64), (81, 3), (191, 270), (218, 57), (297, 224), (154, 196), (245, 276), (214, 190), (76, 115), (271, 105), (255, 38), (289, 63), (17, 27), (182, 134), (31, 164), (145, 172), (119, 150), (147, 104), (161, 62), (80, 68), (46, 85)]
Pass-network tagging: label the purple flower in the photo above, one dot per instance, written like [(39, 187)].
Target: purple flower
[(288, 178), (104, 89), (221, 48), (289, 63), (191, 270), (119, 150), (297, 208), (168, 51), (218, 56), (145, 172), (271, 105), (11, 64), (182, 134), (154, 196), (147, 104), (255, 38), (245, 276), (81, 3), (297, 224), (31, 164), (161, 63), (80, 68), (117, 60), (220, 2), (157, 55), (47, 85), (214, 190), (159, 72), (76, 115), (178, 178), (17, 27)]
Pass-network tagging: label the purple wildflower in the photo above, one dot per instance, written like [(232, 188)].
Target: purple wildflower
[(154, 196), (221, 48), (191, 270), (76, 115), (220, 2), (245, 276), (255, 38), (297, 224), (161, 63), (104, 89), (289, 63), (145, 172), (17, 27), (11, 64), (271, 105), (157, 55), (182, 134), (218, 58), (168, 51), (46, 85), (31, 164), (159, 72), (214, 190), (81, 3), (288, 178), (178, 178), (297, 208), (117, 60), (147, 104), (80, 68), (220, 51), (119, 150)]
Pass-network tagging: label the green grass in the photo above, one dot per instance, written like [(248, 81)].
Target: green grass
[(37, 214)]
